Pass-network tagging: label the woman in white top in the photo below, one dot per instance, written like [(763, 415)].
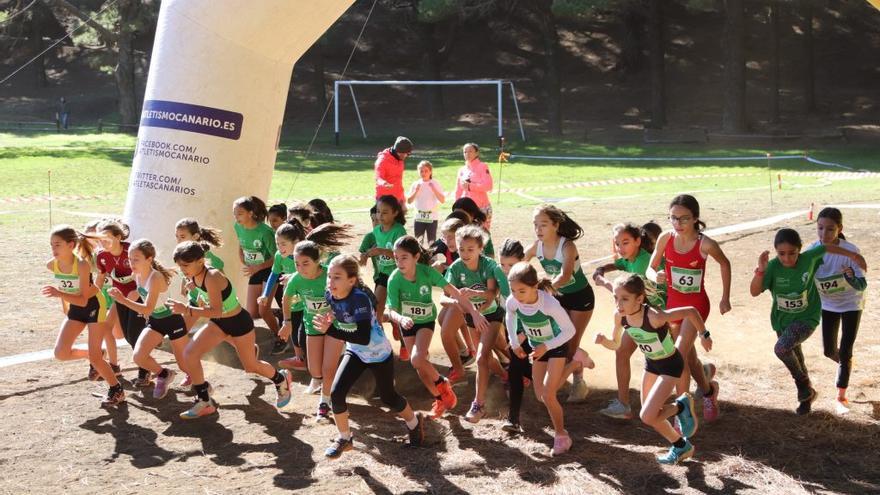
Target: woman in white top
[(427, 195)]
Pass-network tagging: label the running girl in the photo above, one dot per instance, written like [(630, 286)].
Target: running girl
[(227, 321), (152, 281), (113, 262), (390, 228), (411, 306), (520, 369), (558, 255), (427, 195), (841, 285), (276, 215), (256, 248), (74, 287), (353, 318), (649, 328), (797, 306), (188, 229), (633, 247), (286, 237), (547, 329), (104, 304), (684, 250), (322, 213), (474, 275), (305, 291), (477, 217)]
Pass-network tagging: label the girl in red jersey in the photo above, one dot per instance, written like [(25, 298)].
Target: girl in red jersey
[(113, 262), (685, 249)]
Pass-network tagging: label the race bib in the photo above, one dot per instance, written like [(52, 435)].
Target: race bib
[(418, 311), (385, 261), (834, 284), (68, 286), (483, 306), (652, 347), (424, 216), (686, 280), (792, 303), (253, 257), (538, 332), (316, 305)]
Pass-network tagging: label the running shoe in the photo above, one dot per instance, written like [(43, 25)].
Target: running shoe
[(709, 372), (437, 409), (323, 414), (200, 409), (807, 405), (447, 395), (404, 353), (687, 420), (455, 377), (561, 445), (578, 392), (143, 382), (511, 426), (293, 363), (187, 381), (314, 387), (476, 412), (279, 347), (676, 455), (115, 397), (340, 445), (711, 410), (618, 410), (841, 406), (93, 374), (417, 434), (283, 390), (163, 384)]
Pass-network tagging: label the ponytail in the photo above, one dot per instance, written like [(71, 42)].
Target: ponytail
[(566, 226), (524, 273), (253, 205), (82, 248), (149, 251), (206, 234), (835, 216), (117, 228), (330, 235), (512, 248)]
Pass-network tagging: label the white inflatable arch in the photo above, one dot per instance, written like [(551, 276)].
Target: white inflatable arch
[(218, 82)]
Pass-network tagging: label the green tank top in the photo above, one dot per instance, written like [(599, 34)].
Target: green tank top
[(554, 267), (538, 328), (160, 311), (655, 343), (230, 301)]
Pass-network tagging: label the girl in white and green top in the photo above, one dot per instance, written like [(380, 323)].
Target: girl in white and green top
[(411, 306), (841, 284), (256, 251), (546, 331)]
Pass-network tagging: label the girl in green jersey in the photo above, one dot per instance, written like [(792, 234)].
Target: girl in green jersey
[(256, 250), (797, 306)]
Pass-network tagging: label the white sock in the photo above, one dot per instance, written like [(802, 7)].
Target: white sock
[(345, 435), (412, 423), (316, 382), (324, 399)]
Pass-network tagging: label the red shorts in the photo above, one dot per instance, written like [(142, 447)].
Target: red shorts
[(700, 302)]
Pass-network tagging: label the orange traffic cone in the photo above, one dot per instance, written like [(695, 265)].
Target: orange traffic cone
[(810, 215)]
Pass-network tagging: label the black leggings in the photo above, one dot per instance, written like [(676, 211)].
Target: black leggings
[(350, 370), (429, 230), (831, 321), (518, 369)]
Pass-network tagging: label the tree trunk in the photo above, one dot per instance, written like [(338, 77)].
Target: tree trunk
[(809, 58), (552, 82), (774, 61), (431, 69), (657, 56), (35, 40), (318, 75), (124, 74), (632, 45), (734, 118)]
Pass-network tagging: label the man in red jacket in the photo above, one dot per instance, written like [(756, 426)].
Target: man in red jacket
[(389, 170)]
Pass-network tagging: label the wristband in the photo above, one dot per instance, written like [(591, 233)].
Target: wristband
[(705, 334), (758, 271)]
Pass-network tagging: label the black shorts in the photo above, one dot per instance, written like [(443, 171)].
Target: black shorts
[(172, 326), (670, 366), (416, 327), (582, 300), (260, 277), (495, 316), (235, 326), (559, 352), (84, 314), (381, 279)]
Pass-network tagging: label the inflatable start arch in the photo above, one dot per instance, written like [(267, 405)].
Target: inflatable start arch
[(215, 97)]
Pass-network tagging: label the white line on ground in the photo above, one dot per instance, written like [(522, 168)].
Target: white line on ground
[(29, 357)]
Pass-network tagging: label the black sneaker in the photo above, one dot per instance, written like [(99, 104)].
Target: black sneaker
[(115, 397), (511, 426), (807, 405), (279, 347), (417, 434), (340, 445), (323, 414)]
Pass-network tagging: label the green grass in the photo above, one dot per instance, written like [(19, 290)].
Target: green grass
[(99, 165)]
